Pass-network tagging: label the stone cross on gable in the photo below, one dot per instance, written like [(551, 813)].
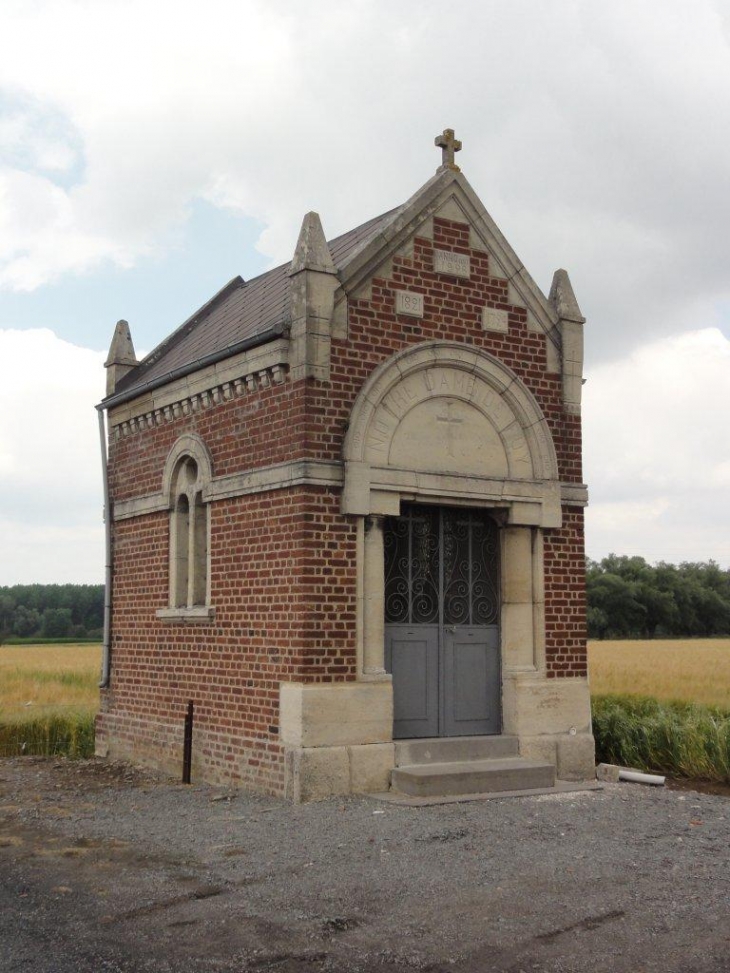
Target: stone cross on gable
[(449, 146)]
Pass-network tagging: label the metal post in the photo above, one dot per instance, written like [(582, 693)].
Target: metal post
[(188, 744)]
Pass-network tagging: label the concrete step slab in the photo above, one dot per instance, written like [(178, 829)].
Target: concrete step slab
[(562, 790), (438, 750), (473, 777)]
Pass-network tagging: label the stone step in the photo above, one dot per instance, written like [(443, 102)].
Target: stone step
[(473, 777), (440, 750)]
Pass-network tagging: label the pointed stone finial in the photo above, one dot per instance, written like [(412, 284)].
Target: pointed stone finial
[(563, 298), (121, 358), (571, 332), (311, 303), (448, 145), (312, 252)]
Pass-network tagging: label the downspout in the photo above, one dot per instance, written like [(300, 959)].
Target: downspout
[(106, 644)]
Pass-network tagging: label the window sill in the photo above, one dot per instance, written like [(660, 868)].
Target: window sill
[(199, 613)]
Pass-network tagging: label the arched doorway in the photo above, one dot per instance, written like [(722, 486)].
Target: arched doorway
[(446, 427), (442, 607)]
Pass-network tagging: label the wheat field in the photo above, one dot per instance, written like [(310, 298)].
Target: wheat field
[(38, 680), (41, 679), (695, 670)]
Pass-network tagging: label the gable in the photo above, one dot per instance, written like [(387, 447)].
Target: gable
[(447, 196), (245, 315)]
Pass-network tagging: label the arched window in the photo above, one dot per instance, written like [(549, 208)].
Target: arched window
[(186, 484), (188, 537)]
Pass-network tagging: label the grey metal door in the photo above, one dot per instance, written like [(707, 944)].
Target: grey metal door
[(441, 621)]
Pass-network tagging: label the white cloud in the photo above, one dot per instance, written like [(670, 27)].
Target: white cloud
[(596, 134), (657, 450), (50, 466), (35, 137)]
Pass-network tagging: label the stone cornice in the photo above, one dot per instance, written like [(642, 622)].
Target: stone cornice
[(279, 476), (276, 477), (574, 494), (248, 371)]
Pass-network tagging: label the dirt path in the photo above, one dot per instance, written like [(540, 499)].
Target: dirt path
[(104, 869)]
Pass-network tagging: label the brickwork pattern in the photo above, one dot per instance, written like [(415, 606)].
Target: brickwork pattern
[(255, 430), (282, 575), (283, 571), (452, 312), (565, 597)]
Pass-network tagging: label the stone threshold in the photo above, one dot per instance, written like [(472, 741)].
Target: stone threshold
[(560, 787)]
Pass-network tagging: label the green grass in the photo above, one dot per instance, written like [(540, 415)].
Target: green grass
[(55, 735), (680, 739)]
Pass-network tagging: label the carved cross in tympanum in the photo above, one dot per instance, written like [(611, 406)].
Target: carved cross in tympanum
[(448, 145), (450, 420)]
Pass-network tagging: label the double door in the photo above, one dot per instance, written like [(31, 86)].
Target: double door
[(441, 621)]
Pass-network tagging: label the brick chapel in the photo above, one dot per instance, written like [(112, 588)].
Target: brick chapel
[(345, 519)]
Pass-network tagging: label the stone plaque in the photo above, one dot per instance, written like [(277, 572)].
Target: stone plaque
[(448, 262), (494, 320), (408, 302)]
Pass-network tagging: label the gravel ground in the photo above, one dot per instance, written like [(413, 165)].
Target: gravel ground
[(106, 869)]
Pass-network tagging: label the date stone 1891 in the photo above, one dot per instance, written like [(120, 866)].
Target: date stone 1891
[(408, 302)]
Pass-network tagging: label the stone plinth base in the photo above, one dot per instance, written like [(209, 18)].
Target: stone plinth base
[(314, 773), (336, 714), (552, 720), (338, 738)]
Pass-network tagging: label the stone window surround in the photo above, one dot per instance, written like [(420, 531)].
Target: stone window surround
[(186, 481)]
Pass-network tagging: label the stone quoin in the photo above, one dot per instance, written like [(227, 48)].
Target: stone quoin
[(345, 509)]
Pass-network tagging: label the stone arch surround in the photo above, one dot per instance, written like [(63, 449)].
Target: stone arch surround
[(350, 726), (448, 422), (191, 445)]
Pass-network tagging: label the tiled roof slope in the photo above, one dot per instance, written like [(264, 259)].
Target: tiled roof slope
[(238, 314)]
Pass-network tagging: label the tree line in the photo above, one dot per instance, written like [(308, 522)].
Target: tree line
[(629, 598), (52, 611)]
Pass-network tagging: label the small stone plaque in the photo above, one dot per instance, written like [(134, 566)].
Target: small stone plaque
[(408, 302), (494, 319), (448, 262)]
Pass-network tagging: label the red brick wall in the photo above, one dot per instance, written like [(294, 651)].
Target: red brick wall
[(283, 573), (283, 611), (565, 597), (453, 312), (252, 430), (453, 308)]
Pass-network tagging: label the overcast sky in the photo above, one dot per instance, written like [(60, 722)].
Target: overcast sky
[(150, 151)]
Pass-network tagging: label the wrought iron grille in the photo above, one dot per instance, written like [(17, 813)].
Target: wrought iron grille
[(441, 567)]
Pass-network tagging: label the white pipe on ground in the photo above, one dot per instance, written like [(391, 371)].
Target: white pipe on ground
[(636, 777)]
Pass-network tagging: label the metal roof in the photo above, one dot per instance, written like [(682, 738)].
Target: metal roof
[(238, 315)]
